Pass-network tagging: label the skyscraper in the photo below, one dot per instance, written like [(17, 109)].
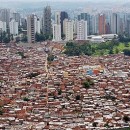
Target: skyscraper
[(82, 30), (47, 26), (31, 28), (37, 24), (101, 24), (115, 23), (63, 16), (17, 17), (57, 18), (57, 28), (94, 24), (13, 25), (69, 29), (5, 16), (56, 32), (85, 17)]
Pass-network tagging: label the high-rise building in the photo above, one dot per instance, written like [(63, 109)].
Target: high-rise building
[(108, 28), (63, 16), (75, 26), (69, 29), (17, 17), (13, 25), (82, 30), (56, 32), (94, 24), (101, 24), (108, 22), (24, 23), (85, 17), (57, 28), (5, 16), (57, 18), (31, 28), (115, 23), (47, 26), (3, 26), (37, 24)]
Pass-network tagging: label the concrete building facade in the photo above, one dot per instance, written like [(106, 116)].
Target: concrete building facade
[(101, 24), (82, 30), (56, 32), (69, 29), (47, 26), (3, 26), (31, 28), (13, 25)]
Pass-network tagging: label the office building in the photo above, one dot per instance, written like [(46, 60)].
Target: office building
[(17, 18), (37, 24), (94, 24), (101, 24), (85, 17), (56, 32), (13, 26), (63, 16), (31, 28), (107, 28), (69, 29), (75, 26), (57, 18), (57, 28), (82, 30), (47, 26), (115, 23), (5, 16), (24, 23)]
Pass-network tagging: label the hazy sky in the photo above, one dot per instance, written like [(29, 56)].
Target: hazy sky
[(50, 1), (66, 0)]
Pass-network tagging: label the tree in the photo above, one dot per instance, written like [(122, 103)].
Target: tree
[(21, 54), (26, 99), (78, 97), (1, 112), (126, 44), (63, 36), (24, 38), (126, 119), (17, 39), (86, 84), (117, 51), (106, 125), (39, 37), (111, 51), (6, 40), (101, 52), (95, 124), (59, 92), (11, 37), (74, 49), (50, 58), (126, 52)]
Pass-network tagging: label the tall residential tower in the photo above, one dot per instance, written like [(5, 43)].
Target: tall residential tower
[(47, 26), (31, 28)]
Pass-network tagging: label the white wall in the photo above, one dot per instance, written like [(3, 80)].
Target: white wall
[(13, 27)]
